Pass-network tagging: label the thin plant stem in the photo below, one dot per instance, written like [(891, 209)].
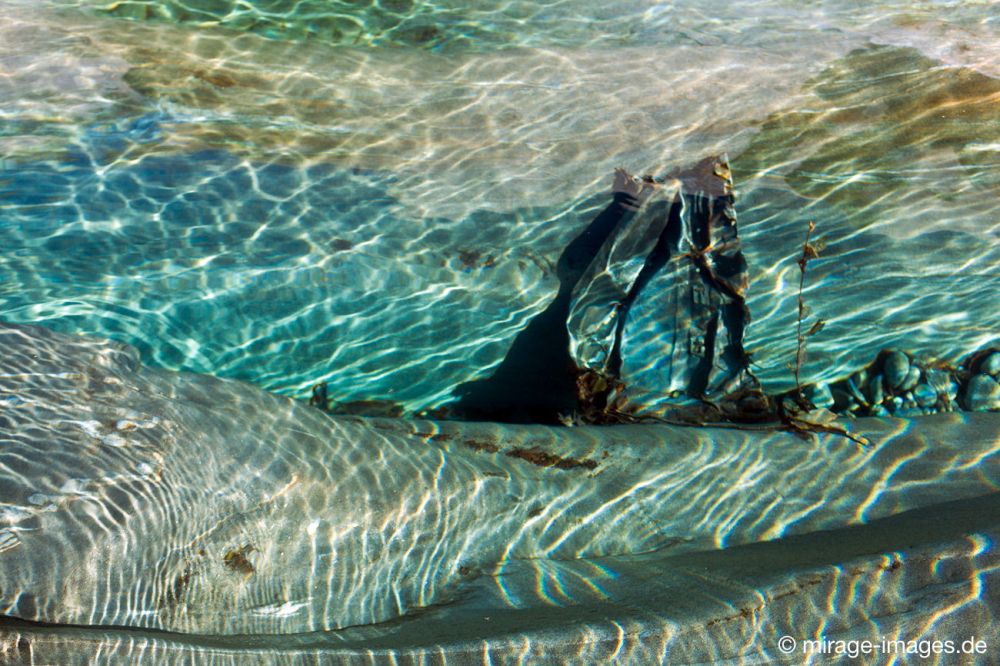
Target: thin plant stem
[(808, 252)]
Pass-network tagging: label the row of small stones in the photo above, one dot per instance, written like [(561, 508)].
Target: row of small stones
[(897, 385)]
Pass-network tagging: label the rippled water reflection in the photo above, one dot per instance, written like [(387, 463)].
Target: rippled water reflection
[(286, 213), (290, 211), (374, 195), (208, 506)]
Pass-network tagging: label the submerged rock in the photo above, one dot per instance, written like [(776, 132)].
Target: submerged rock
[(926, 386), (991, 365), (726, 606), (912, 379), (896, 367), (942, 382), (982, 394), (144, 498), (925, 395), (819, 395), (875, 392)]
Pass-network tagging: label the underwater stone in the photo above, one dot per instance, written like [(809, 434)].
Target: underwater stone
[(789, 406), (852, 387), (875, 393), (983, 394), (844, 399), (991, 365), (925, 395), (896, 367), (952, 390), (946, 387), (335, 513), (939, 380), (819, 395), (911, 380)]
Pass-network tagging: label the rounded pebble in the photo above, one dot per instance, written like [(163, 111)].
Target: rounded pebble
[(982, 394), (879, 410), (854, 392), (842, 396), (875, 393), (939, 380), (925, 395), (952, 390), (911, 380), (896, 367), (819, 395), (991, 365)]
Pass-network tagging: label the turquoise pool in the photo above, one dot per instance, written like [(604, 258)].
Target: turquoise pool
[(375, 197), (284, 192)]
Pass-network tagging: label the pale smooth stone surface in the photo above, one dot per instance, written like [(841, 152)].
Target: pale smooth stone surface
[(923, 576), (146, 498)]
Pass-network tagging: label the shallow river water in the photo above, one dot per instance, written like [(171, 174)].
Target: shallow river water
[(375, 195)]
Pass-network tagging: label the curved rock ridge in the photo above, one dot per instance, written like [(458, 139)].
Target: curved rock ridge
[(922, 576), (132, 496)]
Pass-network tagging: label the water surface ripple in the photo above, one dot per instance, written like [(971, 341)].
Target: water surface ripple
[(287, 193)]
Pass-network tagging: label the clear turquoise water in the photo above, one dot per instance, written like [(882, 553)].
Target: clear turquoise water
[(374, 194)]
